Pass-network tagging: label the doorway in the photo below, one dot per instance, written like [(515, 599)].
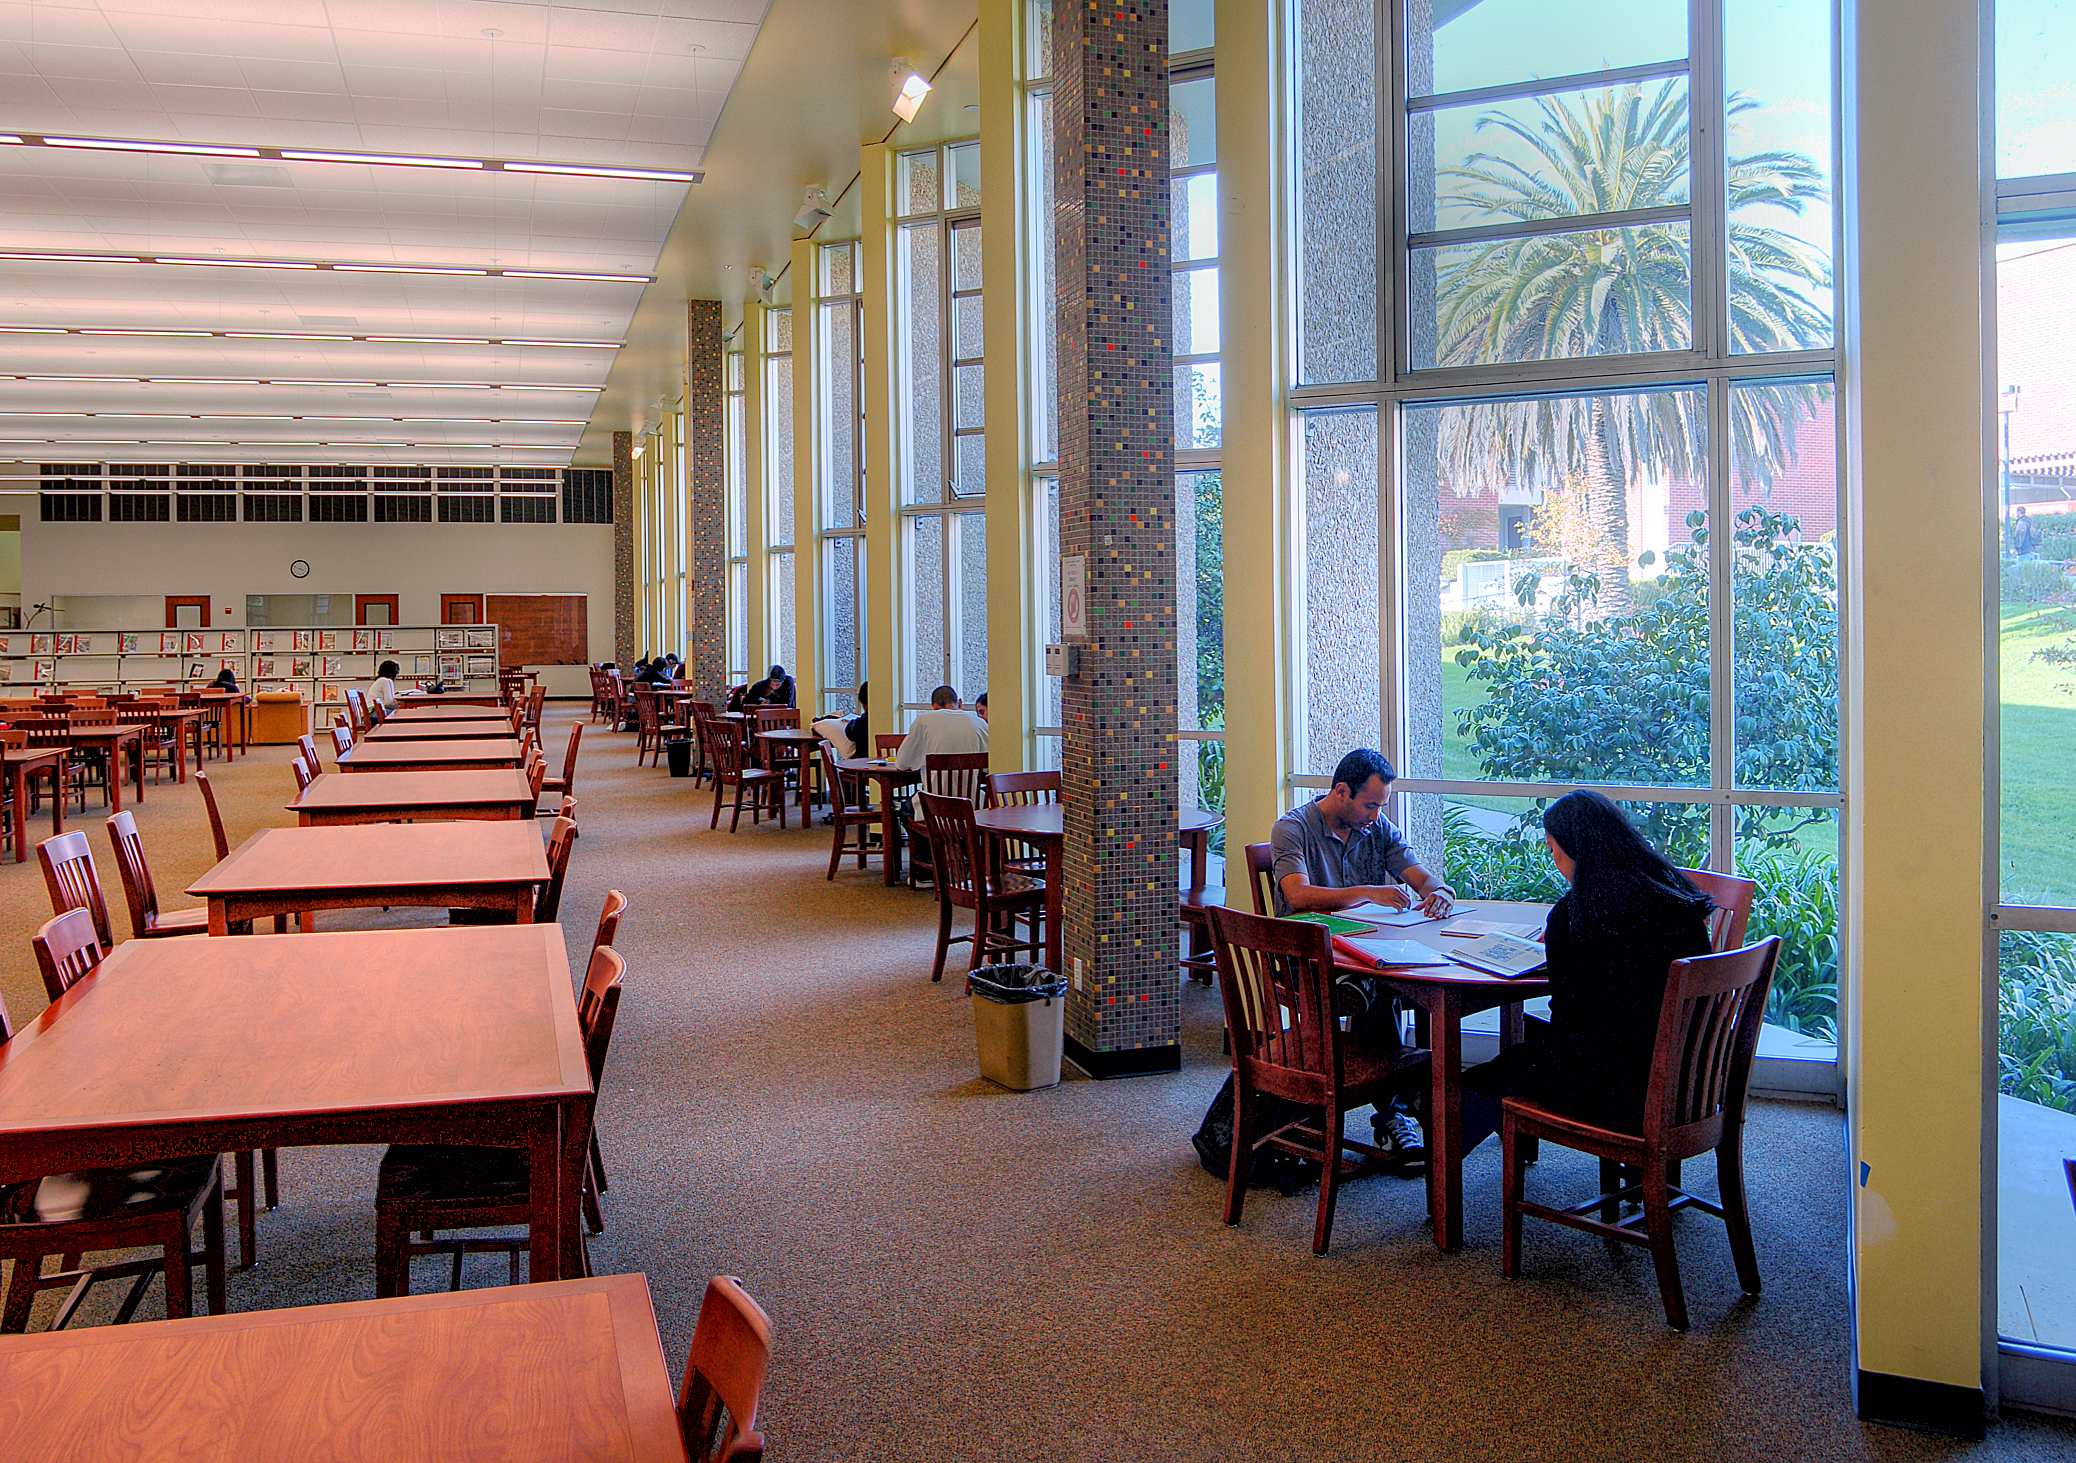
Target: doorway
[(461, 609), (374, 609), (187, 612)]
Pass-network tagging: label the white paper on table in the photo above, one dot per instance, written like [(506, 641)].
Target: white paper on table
[(1472, 928), (1397, 919)]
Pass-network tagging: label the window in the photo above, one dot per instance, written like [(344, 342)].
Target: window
[(1566, 420), (737, 513), (942, 425), (840, 470), (778, 485)]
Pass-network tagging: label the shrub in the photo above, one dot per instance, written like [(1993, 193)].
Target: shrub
[(1463, 627), (1797, 900), (2058, 544), (1479, 866), (2036, 1020), (2032, 581)]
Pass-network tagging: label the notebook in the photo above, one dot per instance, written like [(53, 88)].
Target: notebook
[(1470, 929), (1500, 955), (1397, 919), (1336, 924), (1396, 954)]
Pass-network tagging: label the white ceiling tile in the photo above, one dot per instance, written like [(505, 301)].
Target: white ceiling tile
[(303, 106), (591, 96), (388, 17), (57, 25), (664, 129), (277, 75), (575, 63), (604, 126), (394, 81), (193, 70), (721, 40), (669, 101), (275, 12), (208, 102), (522, 24), (605, 30), (110, 62), (282, 42), (395, 112)]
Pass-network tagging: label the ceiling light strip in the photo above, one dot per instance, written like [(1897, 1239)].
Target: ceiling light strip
[(584, 276), (364, 159), (588, 345), (293, 381)]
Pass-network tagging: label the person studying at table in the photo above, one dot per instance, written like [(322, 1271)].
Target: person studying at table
[(1611, 941), (851, 738), (944, 730), (383, 691), (1340, 850)]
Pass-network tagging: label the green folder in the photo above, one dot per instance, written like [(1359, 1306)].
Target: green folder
[(1336, 924)]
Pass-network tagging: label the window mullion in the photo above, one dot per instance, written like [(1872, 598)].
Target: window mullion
[(1707, 170), (1722, 620)]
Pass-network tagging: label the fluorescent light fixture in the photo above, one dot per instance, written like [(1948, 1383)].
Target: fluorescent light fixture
[(71, 258), (277, 335), (529, 386), (405, 269), (573, 170), (101, 378), (587, 345), (327, 383), (181, 380), (380, 159), (32, 330), (239, 416), (242, 263), (426, 340), (116, 330), (910, 100), (113, 144), (575, 274)]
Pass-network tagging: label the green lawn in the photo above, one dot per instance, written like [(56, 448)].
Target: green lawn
[(2039, 740)]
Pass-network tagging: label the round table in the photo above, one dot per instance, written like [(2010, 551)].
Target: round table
[(1045, 825), (792, 744), (890, 779)]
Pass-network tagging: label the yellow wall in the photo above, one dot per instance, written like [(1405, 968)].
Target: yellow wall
[(882, 527), (807, 577)]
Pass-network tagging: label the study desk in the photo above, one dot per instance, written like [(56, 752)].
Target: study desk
[(891, 780), (790, 744), (117, 743), (536, 1374), (468, 865), (20, 765), (435, 756), (450, 698), (491, 794), (285, 1041), (444, 729), (436, 709)]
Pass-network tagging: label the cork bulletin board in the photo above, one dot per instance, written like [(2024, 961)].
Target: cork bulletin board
[(539, 629)]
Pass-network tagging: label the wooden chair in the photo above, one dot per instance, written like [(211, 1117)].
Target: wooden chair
[(608, 931), (301, 769), (342, 740), (67, 950), (849, 812), (223, 843), (1021, 789), (724, 1376), (567, 783), (1732, 898), (357, 709), (536, 777), (1261, 877), (598, 697), (534, 705), (701, 714), (152, 1206), (376, 715), (147, 920), (951, 775), (561, 837), (68, 872), (650, 727), (732, 768), (886, 744), (1277, 979), (1708, 1029), (307, 745), (965, 880), (426, 1188)]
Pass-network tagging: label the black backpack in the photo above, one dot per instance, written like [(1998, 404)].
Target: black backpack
[(1271, 1167)]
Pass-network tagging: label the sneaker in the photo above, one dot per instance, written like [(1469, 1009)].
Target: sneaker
[(1400, 1137)]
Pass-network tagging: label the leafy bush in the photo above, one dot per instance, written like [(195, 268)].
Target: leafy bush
[(1211, 774), (2033, 581), (1479, 866), (1797, 900), (2036, 1022), (2058, 544), (1463, 627)]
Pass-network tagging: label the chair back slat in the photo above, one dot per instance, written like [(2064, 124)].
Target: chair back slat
[(569, 757), (1708, 1031), (68, 871), (130, 863), (1021, 789), (729, 750), (560, 839), (307, 745), (955, 774), (724, 1375), (1276, 977), (1732, 899), (223, 842), (1261, 877), (846, 788), (886, 744), (960, 867), (67, 951), (609, 920)]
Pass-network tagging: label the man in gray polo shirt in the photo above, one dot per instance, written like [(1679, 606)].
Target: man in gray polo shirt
[(1340, 850)]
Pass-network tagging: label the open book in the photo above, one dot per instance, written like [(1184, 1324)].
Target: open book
[(1380, 954), (1471, 929), (1500, 955)]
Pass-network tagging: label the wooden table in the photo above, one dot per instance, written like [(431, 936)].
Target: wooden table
[(114, 741), (432, 709), (282, 1041), (491, 794), (891, 779), (1045, 825), (183, 723), (431, 756), (221, 704), (470, 865), (19, 765), (795, 745), (558, 1371), (450, 698), (1441, 997), (440, 729)]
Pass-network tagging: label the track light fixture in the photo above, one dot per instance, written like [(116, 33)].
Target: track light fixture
[(910, 87), (814, 207)]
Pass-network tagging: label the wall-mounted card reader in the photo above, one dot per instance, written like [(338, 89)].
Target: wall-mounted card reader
[(1062, 660)]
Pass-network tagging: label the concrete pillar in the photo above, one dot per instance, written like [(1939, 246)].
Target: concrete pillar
[(706, 501), (1117, 512)]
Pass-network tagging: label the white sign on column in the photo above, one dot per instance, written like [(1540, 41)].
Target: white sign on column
[(1073, 597)]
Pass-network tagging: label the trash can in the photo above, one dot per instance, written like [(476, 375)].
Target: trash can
[(680, 754), (1017, 1016)]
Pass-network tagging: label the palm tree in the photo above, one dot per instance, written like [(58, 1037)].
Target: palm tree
[(1616, 291)]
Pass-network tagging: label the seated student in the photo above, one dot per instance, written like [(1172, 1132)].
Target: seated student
[(383, 691), (226, 680), (850, 738), (980, 706), (776, 689), (944, 730), (1338, 850), (1611, 939)]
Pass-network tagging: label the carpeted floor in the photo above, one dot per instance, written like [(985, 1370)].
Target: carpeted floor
[(955, 1271)]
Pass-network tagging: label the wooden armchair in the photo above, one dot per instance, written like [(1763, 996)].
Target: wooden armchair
[(1277, 979), (965, 880), (426, 1188), (1708, 1029), (852, 816)]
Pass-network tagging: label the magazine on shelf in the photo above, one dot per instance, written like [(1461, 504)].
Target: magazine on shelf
[(385, 639), (263, 642), (1387, 954), (263, 668), (299, 667), (1500, 955), (363, 641), (169, 643), (327, 639), (6, 645), (482, 665), (299, 640), (39, 645), (450, 640), (45, 670), (328, 692), (126, 644), (421, 665), (481, 638), (231, 643), (334, 665)]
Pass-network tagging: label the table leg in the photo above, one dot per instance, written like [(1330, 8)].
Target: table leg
[(544, 1250), (1198, 841), (137, 765), (180, 755), (1445, 1120), (115, 772), (18, 779), (219, 918), (889, 835), (60, 774), (1055, 857), (522, 905)]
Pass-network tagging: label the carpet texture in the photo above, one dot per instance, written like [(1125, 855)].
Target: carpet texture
[(955, 1271)]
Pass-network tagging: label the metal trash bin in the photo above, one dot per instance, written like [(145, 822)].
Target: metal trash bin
[(1018, 1015), (680, 754)]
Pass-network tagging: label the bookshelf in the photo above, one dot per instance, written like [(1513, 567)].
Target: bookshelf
[(319, 661)]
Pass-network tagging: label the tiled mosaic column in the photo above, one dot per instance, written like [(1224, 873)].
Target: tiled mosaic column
[(1117, 512), (708, 506), (623, 548)]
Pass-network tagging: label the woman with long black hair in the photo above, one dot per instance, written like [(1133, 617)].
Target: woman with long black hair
[(1611, 941)]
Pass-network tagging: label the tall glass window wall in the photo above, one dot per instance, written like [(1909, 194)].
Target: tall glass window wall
[(1567, 496), (840, 470), (778, 486), (734, 468), (2031, 504), (937, 312)]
